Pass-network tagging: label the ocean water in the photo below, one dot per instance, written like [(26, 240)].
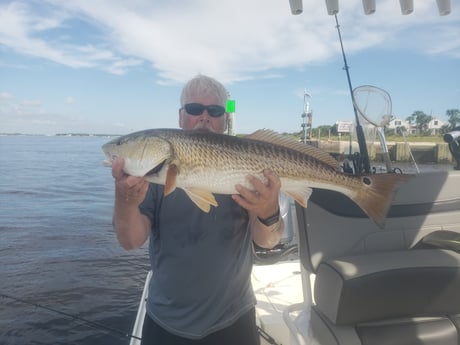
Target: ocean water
[(63, 277), (57, 246)]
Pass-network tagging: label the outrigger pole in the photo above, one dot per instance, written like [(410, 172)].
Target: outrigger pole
[(360, 160)]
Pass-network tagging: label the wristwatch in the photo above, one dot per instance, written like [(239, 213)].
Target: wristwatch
[(270, 220)]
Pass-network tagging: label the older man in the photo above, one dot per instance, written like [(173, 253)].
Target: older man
[(200, 292)]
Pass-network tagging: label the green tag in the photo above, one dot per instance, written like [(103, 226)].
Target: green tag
[(230, 105)]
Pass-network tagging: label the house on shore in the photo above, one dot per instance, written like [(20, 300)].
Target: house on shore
[(434, 126)]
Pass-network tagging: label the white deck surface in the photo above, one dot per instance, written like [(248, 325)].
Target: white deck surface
[(276, 287)]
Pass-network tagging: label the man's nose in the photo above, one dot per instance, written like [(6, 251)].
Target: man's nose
[(205, 115)]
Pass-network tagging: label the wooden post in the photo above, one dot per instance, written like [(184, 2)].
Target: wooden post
[(442, 153), (402, 152)]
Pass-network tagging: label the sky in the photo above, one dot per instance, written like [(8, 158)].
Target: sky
[(118, 66)]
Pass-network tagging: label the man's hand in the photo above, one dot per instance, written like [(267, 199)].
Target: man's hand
[(128, 189), (263, 200), (131, 226)]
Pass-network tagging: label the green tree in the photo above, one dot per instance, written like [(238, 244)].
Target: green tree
[(421, 121), (444, 129), (453, 117)]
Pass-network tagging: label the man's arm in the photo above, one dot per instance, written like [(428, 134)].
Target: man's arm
[(266, 236), (262, 204), (131, 226)]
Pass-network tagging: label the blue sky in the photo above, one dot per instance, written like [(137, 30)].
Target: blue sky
[(116, 66)]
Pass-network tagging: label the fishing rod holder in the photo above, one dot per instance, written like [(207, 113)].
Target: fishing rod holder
[(453, 139)]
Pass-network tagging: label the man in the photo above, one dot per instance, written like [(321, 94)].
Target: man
[(200, 292)]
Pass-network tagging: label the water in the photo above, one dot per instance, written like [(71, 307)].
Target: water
[(57, 246)]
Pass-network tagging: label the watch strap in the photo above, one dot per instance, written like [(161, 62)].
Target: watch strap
[(273, 219)]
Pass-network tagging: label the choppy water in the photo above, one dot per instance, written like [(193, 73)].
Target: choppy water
[(57, 246)]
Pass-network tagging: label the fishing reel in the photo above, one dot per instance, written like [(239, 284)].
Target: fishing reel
[(453, 139)]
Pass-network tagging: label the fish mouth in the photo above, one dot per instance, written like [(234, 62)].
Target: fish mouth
[(155, 170)]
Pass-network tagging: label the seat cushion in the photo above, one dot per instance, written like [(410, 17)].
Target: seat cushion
[(413, 331), (422, 282)]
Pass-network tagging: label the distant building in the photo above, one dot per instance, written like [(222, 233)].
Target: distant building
[(434, 126), (398, 123)]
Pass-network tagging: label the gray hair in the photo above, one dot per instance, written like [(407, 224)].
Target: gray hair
[(204, 85)]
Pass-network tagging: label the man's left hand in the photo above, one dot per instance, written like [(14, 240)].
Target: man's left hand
[(263, 200)]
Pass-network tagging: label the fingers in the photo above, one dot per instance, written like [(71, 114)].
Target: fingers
[(274, 181), (268, 189), (263, 199), (127, 188), (117, 168), (131, 189), (135, 193)]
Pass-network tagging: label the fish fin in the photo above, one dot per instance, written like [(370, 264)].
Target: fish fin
[(202, 198), (377, 193), (170, 183), (301, 197), (272, 137)]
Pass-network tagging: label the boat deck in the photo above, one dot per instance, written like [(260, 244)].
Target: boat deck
[(276, 287)]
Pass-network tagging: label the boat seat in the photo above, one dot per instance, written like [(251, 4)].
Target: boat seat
[(386, 285), (389, 286), (401, 296), (441, 239)]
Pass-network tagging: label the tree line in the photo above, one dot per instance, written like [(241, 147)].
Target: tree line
[(418, 118), (421, 121)]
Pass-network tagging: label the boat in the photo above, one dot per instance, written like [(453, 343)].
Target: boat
[(351, 282), (337, 278)]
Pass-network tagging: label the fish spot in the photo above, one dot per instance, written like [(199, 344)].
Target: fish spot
[(367, 181)]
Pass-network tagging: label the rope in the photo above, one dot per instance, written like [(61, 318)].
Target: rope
[(71, 316), (267, 337)]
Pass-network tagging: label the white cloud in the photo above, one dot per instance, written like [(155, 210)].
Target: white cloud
[(5, 96), (232, 40)]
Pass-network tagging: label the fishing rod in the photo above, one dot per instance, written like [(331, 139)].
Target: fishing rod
[(360, 160), (98, 325), (93, 324)]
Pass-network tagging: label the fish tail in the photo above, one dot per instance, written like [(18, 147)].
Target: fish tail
[(377, 193)]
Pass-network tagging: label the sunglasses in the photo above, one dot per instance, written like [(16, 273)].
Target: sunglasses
[(196, 109)]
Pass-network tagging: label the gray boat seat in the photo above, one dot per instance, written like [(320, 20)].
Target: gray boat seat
[(379, 286)]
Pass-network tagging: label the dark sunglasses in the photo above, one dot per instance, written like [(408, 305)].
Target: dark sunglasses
[(196, 109)]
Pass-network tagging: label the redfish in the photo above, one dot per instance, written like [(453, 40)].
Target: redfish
[(205, 163)]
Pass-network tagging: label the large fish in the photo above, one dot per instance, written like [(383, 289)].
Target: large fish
[(204, 163)]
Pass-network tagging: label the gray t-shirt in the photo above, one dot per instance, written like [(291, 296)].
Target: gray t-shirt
[(201, 263)]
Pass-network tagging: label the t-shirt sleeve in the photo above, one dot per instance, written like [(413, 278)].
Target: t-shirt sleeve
[(147, 206)]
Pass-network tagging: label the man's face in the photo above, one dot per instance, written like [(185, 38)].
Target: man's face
[(203, 121)]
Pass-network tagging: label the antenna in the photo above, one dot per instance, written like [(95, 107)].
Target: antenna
[(306, 117), (362, 162)]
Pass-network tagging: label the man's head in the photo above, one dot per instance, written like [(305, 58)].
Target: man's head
[(203, 102)]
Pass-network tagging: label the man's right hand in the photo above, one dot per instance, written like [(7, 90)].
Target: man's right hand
[(131, 226), (128, 189)]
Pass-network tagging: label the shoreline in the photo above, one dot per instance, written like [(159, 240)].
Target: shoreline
[(423, 152)]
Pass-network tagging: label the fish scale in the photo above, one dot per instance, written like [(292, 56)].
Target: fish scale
[(205, 163)]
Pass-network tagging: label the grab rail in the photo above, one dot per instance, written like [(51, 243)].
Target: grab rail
[(453, 139)]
